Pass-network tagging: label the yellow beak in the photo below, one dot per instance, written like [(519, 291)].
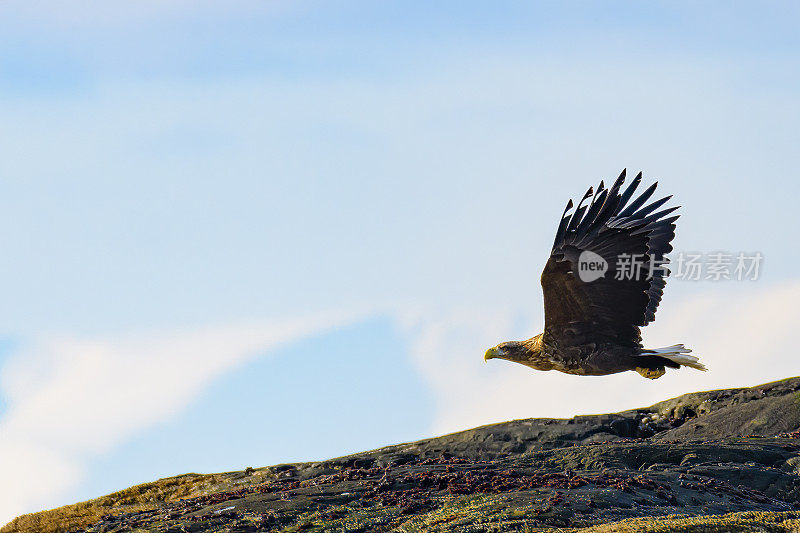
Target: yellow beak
[(491, 353)]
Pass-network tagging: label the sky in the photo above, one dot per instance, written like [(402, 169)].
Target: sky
[(244, 233)]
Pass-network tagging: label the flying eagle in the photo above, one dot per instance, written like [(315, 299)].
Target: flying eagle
[(604, 278)]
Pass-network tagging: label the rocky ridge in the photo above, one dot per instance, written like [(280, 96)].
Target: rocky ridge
[(725, 460)]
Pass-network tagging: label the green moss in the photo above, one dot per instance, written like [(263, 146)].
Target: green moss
[(728, 523)]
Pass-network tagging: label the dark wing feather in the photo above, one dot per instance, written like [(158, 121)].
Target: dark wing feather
[(613, 225)]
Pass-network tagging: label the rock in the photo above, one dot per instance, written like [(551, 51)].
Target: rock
[(726, 460)]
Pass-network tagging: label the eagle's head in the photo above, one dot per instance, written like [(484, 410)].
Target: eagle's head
[(511, 351), (528, 353)]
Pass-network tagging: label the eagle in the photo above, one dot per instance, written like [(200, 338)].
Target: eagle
[(603, 281)]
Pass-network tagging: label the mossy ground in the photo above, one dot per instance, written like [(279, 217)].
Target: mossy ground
[(748, 521)]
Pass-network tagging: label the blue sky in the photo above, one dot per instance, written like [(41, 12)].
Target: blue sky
[(208, 207), (283, 409)]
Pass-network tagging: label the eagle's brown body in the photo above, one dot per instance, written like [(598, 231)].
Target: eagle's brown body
[(589, 359), (592, 320)]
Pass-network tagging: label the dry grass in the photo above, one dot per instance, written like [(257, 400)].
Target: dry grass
[(143, 497)]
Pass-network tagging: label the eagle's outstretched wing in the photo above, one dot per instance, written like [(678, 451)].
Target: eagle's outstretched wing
[(631, 238)]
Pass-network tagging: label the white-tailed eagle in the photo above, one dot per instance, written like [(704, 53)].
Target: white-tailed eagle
[(604, 279)]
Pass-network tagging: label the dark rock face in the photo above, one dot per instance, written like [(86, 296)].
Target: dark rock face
[(699, 455)]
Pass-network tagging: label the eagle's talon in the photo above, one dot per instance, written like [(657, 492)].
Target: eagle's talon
[(651, 373)]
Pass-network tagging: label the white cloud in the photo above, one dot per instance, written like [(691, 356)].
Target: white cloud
[(744, 334), (72, 398)]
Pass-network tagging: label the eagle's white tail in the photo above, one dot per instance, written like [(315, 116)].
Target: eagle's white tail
[(677, 353)]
